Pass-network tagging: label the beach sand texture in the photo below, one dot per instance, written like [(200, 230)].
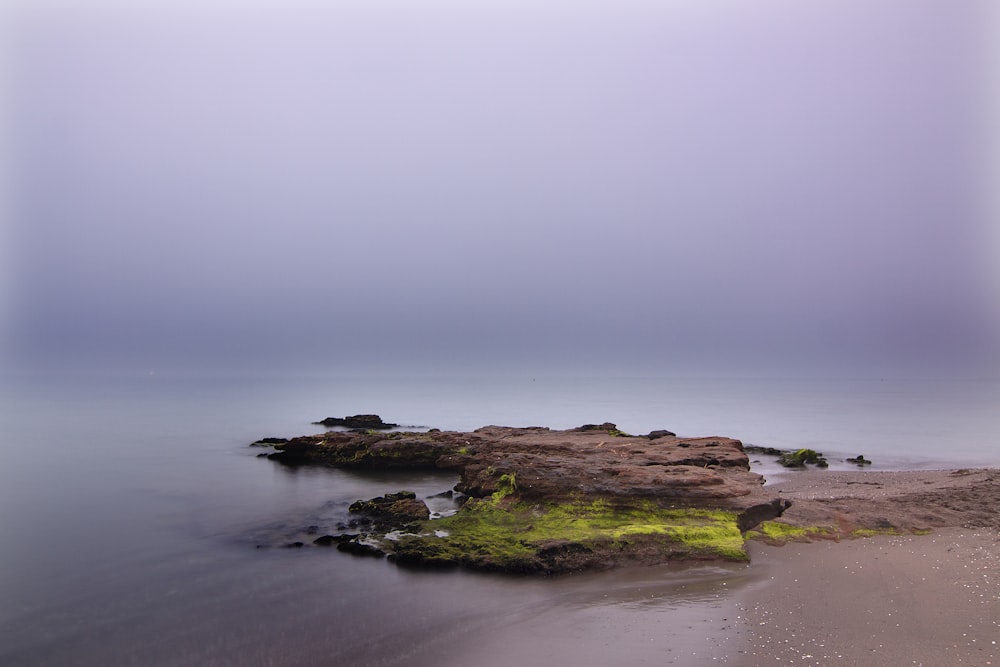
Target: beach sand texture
[(885, 600), (902, 600)]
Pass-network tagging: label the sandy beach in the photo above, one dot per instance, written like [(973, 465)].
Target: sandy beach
[(904, 599)]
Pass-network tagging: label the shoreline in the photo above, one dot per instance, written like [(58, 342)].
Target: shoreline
[(850, 566), (913, 599), (920, 599), (891, 501)]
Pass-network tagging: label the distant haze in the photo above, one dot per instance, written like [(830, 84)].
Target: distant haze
[(672, 186)]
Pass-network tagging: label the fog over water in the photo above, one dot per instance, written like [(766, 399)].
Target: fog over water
[(224, 220), (640, 186)]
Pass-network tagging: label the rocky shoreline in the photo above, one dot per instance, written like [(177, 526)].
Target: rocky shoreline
[(536, 500)]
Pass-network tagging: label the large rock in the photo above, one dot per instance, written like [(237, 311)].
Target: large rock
[(550, 501)]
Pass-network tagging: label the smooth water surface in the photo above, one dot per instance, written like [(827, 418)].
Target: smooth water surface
[(139, 529)]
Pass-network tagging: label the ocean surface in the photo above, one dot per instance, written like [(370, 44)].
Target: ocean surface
[(138, 528)]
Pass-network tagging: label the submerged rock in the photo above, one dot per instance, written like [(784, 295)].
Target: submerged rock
[(330, 540), (769, 451), (268, 442), (357, 421), (360, 549), (800, 457), (393, 510)]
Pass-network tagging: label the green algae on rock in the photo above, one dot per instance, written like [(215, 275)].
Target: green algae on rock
[(556, 537), (544, 501), (777, 532), (800, 457)]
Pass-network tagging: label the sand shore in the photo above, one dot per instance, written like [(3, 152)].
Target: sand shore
[(886, 600), (907, 599), (910, 600)]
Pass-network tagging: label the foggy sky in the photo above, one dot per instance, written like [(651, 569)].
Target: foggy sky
[(625, 186)]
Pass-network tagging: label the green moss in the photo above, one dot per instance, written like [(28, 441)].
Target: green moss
[(615, 433), (519, 536), (462, 451), (506, 485), (783, 532), (799, 458)]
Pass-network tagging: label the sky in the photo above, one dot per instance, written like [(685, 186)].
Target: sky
[(681, 186)]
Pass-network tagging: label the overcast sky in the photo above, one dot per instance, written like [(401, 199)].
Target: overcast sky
[(671, 186)]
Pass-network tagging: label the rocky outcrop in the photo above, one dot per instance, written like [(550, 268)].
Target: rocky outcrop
[(838, 505), (549, 501), (268, 442), (800, 457), (358, 422), (393, 510)]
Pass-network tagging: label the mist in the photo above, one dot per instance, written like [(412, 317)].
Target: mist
[(676, 187)]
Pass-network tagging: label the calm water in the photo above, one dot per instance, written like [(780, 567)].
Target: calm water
[(132, 512)]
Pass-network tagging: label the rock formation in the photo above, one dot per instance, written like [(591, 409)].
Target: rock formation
[(548, 501), (358, 422)]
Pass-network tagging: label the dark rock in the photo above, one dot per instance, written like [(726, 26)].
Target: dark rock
[(372, 450), (294, 545), (653, 435), (329, 540), (769, 451), (362, 422), (312, 530), (444, 494), (859, 460), (757, 514), (393, 510), (799, 459), (606, 426), (360, 549), (268, 442)]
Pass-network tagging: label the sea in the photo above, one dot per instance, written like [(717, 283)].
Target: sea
[(137, 527)]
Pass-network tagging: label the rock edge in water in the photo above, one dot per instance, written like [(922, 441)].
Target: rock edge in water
[(547, 501), (358, 422)]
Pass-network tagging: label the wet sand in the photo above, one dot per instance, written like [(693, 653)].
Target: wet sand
[(887, 600), (905, 599), (675, 614)]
